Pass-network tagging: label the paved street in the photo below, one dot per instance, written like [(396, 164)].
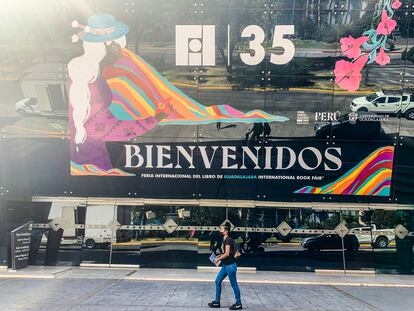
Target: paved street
[(278, 103), (114, 294)]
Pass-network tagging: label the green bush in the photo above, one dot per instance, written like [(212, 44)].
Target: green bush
[(408, 55), (356, 28)]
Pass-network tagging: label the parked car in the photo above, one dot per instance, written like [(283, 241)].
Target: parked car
[(379, 238), (331, 241), (27, 106), (383, 102), (347, 127)]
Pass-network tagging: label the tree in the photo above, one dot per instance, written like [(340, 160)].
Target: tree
[(408, 55), (387, 219), (357, 27), (238, 14)]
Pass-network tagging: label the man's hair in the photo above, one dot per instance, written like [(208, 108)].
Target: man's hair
[(227, 226)]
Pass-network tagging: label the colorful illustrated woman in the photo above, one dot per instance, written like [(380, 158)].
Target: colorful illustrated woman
[(115, 95)]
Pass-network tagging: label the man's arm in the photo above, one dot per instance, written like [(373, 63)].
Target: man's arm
[(226, 253)]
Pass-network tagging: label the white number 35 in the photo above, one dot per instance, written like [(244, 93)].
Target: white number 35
[(278, 42)]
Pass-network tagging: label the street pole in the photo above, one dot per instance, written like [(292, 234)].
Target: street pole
[(3, 212), (307, 9), (343, 244), (319, 13), (112, 236)]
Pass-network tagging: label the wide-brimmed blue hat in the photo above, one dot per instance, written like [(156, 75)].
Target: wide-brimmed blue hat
[(100, 28)]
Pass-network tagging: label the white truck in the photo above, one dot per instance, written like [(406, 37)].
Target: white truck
[(97, 220), (64, 213), (44, 91), (99, 216), (27, 106), (385, 102), (379, 238)]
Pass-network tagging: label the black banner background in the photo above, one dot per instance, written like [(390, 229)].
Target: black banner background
[(42, 168)]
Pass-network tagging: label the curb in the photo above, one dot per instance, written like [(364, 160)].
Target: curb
[(271, 282), (11, 275), (292, 89)]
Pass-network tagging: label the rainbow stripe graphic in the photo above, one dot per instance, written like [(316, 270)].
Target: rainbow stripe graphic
[(93, 170), (371, 176), (137, 89)]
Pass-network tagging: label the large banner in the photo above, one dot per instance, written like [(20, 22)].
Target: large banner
[(277, 170), (229, 100)]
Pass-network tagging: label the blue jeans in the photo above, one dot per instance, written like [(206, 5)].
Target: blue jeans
[(230, 271)]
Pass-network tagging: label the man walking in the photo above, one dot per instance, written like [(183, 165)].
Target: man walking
[(229, 269)]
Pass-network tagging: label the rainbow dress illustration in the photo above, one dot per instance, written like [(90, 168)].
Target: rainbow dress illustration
[(123, 104), (372, 176), (136, 88)]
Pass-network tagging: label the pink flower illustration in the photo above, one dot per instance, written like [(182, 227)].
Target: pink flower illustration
[(348, 74), (387, 25), (382, 58), (351, 47), (396, 4)]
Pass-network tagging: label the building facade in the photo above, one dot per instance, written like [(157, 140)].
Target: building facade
[(131, 131)]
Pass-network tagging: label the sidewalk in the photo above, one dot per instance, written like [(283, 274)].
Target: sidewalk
[(75, 289), (278, 278), (328, 277)]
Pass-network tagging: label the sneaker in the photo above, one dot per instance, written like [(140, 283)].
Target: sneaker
[(214, 304), (236, 306)]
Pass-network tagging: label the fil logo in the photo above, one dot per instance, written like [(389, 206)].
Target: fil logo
[(195, 45)]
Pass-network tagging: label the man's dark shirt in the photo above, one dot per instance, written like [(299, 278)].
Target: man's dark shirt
[(229, 260)]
